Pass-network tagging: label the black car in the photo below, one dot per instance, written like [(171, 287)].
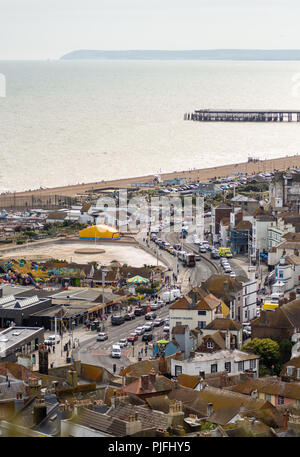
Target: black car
[(147, 337)]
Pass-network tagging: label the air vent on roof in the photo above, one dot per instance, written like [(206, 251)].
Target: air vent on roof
[(16, 333)]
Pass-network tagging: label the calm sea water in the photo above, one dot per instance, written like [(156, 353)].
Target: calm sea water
[(65, 122)]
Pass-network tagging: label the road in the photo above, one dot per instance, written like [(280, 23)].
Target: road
[(99, 353)]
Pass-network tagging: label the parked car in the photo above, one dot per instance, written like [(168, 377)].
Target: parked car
[(129, 316), (202, 249), (158, 323), (132, 337), (150, 316), (102, 336), (116, 351), (197, 257), (51, 340), (139, 330), (167, 328), (147, 337), (122, 342), (154, 306), (148, 327)]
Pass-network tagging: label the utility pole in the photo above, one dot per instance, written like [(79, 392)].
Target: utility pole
[(55, 330), (104, 271)]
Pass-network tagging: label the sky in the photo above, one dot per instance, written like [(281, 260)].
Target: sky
[(48, 29)]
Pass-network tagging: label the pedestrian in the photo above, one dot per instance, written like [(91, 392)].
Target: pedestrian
[(49, 350), (53, 349)]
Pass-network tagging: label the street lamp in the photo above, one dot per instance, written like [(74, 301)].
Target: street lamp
[(104, 271)]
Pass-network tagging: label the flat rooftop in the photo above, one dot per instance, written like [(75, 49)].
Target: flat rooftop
[(13, 336), (8, 289), (78, 293)]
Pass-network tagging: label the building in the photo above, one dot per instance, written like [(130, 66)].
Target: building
[(17, 310), (247, 204), (271, 389), (197, 310), (224, 325), (14, 340), (282, 323), (290, 245), (234, 362), (284, 192), (239, 294), (217, 214)]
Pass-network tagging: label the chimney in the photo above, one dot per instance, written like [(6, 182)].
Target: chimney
[(145, 381), (133, 425), (72, 378), (286, 416), (152, 376), (19, 402), (209, 409), (227, 340), (194, 297), (39, 411)]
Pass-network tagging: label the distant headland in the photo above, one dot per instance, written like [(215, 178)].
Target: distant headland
[(210, 54)]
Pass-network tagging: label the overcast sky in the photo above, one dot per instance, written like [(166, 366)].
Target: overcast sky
[(41, 29)]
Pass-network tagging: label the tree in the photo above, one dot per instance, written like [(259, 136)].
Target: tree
[(267, 349)]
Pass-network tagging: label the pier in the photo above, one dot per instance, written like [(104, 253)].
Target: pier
[(231, 115)]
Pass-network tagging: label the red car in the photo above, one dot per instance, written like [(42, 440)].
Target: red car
[(132, 337)]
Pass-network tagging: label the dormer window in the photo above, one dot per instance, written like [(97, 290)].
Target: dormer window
[(210, 345)]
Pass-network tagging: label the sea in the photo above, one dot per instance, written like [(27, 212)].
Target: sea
[(68, 122)]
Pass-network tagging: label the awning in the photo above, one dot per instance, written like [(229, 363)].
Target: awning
[(96, 308)]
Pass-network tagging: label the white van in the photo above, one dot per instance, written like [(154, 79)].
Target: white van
[(116, 351)]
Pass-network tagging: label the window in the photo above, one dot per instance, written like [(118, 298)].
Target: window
[(201, 324), (228, 367), (280, 400), (280, 274), (290, 370), (252, 364), (210, 345), (214, 368), (178, 323), (267, 397), (240, 366), (201, 313), (298, 373), (178, 370)]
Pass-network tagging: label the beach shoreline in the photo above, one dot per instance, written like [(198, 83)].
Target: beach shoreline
[(268, 165)]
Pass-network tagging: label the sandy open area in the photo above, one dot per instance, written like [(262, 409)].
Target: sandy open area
[(281, 163), (132, 255)]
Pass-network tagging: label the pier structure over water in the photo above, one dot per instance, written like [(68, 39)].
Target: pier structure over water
[(231, 115)]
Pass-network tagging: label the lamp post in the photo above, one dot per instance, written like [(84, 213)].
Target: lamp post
[(104, 271)]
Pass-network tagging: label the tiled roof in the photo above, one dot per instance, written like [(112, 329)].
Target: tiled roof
[(226, 404), (208, 303), (148, 417), (217, 338), (186, 380), (102, 422), (160, 384), (159, 403), (244, 225), (223, 324), (179, 329), (140, 368), (293, 259), (270, 386)]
